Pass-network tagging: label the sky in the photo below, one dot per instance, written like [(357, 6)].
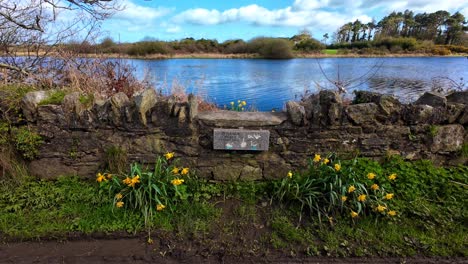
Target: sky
[(245, 19)]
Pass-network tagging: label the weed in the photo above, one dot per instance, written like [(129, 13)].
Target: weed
[(27, 142), (464, 150), (116, 159), (433, 130), (87, 100)]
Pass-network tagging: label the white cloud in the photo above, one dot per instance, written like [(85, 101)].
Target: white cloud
[(322, 15), (134, 12), (303, 13)]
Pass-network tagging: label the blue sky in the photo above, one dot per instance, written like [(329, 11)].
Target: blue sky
[(245, 19)]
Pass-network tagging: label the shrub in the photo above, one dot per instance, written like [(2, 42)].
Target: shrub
[(440, 50), (271, 48), (26, 142), (310, 45), (147, 48)]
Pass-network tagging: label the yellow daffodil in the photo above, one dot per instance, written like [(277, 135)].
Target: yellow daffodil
[(176, 182), (374, 187), (337, 167), (175, 170), (232, 103), (118, 196), (134, 181), (381, 208), (370, 176), (344, 198), (362, 197), (242, 108), (353, 214), (326, 161), (391, 213), (389, 196), (238, 101), (119, 204), (160, 207), (100, 178), (290, 174), (316, 158), (169, 155), (392, 176), (108, 176), (185, 171), (351, 189), (127, 181), (244, 103)]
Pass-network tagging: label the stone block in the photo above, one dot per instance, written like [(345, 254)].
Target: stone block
[(145, 101), (459, 97), (448, 138), (363, 113), (296, 113), (432, 99)]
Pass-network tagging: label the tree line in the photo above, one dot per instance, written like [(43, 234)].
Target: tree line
[(265, 47), (440, 27)]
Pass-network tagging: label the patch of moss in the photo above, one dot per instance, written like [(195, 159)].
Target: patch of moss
[(55, 98)]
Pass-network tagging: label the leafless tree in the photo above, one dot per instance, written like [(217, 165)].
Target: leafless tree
[(31, 31), (342, 85)]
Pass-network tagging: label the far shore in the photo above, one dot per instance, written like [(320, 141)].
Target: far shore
[(256, 56), (244, 55)]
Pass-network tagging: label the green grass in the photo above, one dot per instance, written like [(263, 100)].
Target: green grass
[(330, 51), (431, 220)]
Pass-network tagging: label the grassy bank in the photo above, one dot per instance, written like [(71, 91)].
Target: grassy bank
[(429, 220)]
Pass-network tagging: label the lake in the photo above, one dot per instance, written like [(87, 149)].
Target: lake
[(269, 84)]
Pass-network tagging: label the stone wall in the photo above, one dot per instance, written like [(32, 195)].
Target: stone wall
[(76, 137)]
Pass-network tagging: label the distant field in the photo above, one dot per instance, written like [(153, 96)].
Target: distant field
[(330, 51)]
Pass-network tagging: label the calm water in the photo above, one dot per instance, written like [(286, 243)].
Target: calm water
[(268, 84)]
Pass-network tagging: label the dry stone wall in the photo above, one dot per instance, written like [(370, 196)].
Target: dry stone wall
[(76, 137)]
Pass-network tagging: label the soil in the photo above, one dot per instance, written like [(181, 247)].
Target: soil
[(135, 250)]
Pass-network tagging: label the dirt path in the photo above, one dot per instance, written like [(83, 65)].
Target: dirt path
[(135, 250)]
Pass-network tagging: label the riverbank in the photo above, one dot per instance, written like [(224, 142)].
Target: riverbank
[(245, 55), (256, 56)]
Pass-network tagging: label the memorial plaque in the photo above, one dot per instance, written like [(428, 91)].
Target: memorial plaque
[(240, 139)]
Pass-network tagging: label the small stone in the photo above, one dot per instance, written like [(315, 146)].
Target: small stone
[(193, 106), (118, 103), (460, 97), (71, 104), (448, 138), (363, 113), (250, 173), (182, 115), (296, 112), (144, 102), (432, 99), (30, 102)]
